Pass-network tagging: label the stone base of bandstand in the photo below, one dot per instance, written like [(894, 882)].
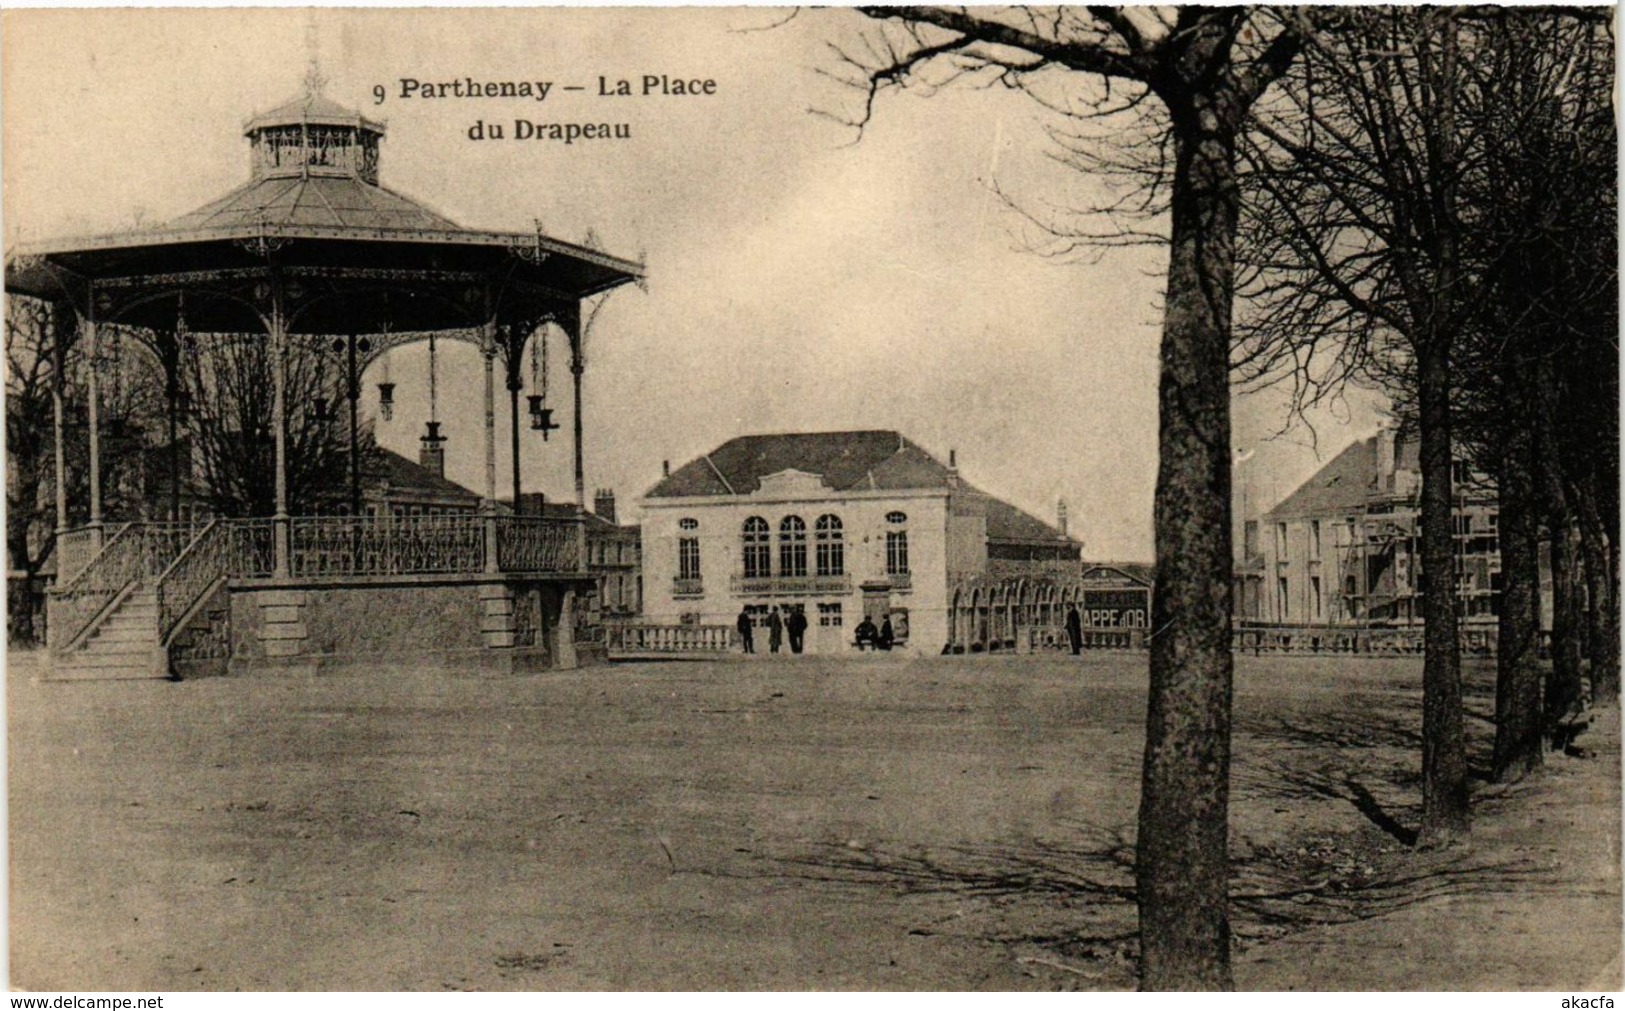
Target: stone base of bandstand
[(480, 625)]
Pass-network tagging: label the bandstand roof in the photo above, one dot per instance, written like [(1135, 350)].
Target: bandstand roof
[(314, 209)]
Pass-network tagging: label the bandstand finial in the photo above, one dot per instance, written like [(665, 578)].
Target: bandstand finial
[(315, 80)]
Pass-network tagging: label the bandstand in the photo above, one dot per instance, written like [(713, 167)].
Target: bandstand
[(315, 251)]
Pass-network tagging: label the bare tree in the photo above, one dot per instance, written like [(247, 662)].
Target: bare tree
[(45, 361), (1356, 167), (1540, 376), (1403, 195), (229, 378), (34, 375), (1189, 77)]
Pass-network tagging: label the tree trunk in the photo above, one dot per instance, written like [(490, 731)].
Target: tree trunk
[(1564, 682), (1182, 859), (1519, 746), (1444, 755), (1601, 640), (1565, 685)]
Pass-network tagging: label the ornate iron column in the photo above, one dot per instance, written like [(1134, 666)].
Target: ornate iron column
[(578, 365), (59, 381), (92, 353), (172, 394), (488, 350), (279, 410), (515, 355)]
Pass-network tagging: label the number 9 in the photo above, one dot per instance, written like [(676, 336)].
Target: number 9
[(378, 94)]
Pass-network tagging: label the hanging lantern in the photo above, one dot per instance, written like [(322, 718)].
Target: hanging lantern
[(386, 400), (541, 418)]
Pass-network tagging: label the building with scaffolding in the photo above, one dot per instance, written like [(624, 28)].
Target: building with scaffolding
[(1345, 547)]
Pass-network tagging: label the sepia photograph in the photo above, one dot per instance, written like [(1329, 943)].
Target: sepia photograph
[(812, 499)]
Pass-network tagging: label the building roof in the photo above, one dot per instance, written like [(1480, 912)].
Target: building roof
[(400, 474), (312, 107), (877, 460), (1349, 479), (1341, 485), (317, 201), (1142, 572), (1005, 522), (847, 461), (595, 522)]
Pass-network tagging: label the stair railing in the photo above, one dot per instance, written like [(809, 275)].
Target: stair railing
[(137, 551), (194, 573), (76, 605)]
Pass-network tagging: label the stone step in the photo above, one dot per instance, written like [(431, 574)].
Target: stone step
[(118, 647), (130, 621), (126, 633), (79, 661), (104, 674)]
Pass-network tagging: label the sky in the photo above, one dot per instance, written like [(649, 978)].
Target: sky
[(801, 277)]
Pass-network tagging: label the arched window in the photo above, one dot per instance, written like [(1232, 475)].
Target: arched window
[(897, 544), (830, 547), (792, 546), (758, 549)]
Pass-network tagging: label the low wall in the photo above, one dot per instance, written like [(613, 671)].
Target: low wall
[(488, 624)]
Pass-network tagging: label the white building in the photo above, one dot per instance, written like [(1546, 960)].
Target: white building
[(837, 525)]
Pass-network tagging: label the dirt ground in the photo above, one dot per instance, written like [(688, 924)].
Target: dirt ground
[(958, 823)]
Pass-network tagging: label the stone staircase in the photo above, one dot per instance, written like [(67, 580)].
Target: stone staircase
[(123, 645)]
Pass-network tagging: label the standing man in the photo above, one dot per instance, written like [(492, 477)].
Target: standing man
[(796, 625), (775, 630), (1074, 628), (745, 630)]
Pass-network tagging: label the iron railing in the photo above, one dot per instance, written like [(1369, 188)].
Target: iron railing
[(251, 551), (538, 544), (75, 550), (202, 564), (385, 545)]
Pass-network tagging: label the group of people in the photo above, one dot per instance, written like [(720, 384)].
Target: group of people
[(868, 636), (795, 624)]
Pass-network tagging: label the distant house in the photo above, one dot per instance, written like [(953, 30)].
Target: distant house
[(1345, 546), (614, 555), (395, 486), (836, 525)]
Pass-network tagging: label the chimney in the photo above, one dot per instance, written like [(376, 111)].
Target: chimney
[(665, 468), (432, 452), (603, 503), (1385, 457), (1060, 516)]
